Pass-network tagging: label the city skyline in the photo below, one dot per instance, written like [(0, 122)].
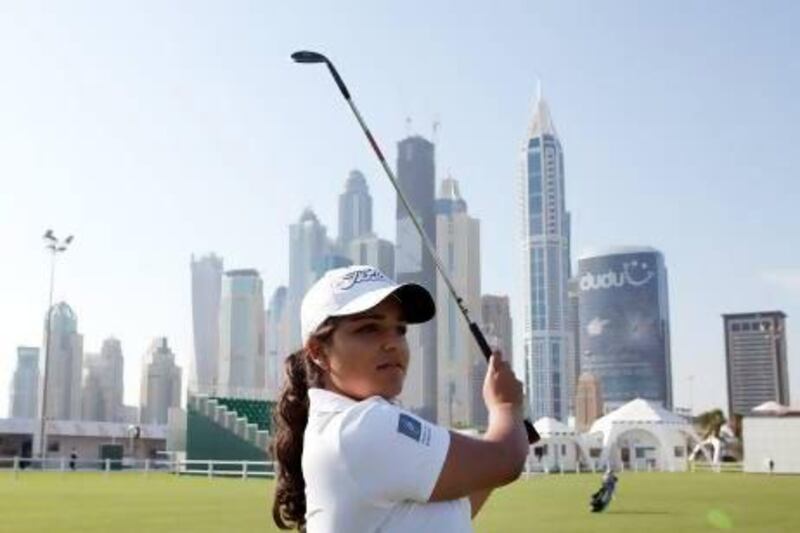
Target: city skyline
[(144, 138)]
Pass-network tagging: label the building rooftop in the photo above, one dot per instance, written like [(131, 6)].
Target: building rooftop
[(616, 250), (542, 121), (80, 428), (242, 272), (780, 314)]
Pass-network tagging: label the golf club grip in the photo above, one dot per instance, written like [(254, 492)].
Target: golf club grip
[(484, 345), (533, 435)]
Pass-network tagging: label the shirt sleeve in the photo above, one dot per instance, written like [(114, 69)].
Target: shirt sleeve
[(392, 455)]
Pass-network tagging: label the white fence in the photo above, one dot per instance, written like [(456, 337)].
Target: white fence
[(256, 469), (533, 467), (718, 468), (209, 468)]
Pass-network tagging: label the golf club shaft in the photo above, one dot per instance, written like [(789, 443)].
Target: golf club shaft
[(533, 435)]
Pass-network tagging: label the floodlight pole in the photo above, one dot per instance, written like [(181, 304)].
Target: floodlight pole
[(55, 246)]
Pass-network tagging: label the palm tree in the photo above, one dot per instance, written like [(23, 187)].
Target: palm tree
[(710, 422)]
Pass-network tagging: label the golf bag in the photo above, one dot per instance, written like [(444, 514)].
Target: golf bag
[(602, 497)]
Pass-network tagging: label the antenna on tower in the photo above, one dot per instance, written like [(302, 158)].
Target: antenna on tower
[(435, 132), (408, 126)]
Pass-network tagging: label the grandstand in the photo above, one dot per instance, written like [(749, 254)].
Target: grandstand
[(228, 429), (257, 412)]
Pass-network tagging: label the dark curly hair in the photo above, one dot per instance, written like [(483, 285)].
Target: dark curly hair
[(291, 418)]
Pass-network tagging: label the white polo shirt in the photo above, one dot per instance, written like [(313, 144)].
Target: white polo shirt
[(371, 466)]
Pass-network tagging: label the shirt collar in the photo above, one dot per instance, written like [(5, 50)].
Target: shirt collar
[(325, 401)]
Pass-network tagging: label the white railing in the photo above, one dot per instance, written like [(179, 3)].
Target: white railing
[(210, 468), (718, 468), (536, 467)]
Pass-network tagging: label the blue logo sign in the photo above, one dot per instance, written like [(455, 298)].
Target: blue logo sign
[(409, 426)]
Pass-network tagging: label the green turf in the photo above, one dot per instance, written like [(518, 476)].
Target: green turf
[(125, 502)]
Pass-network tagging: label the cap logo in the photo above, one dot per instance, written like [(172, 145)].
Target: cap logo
[(359, 276)]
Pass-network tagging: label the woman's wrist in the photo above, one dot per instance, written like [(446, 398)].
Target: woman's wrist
[(503, 410)]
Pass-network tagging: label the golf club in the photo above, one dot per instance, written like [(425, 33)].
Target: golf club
[(315, 57)]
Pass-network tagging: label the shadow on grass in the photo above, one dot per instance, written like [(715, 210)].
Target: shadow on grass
[(639, 512)]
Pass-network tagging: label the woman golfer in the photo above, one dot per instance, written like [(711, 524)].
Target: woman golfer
[(349, 459)]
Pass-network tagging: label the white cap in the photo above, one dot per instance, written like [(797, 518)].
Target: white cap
[(357, 288)]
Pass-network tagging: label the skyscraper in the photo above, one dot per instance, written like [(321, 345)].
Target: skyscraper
[(103, 385), (497, 327), (277, 334), (573, 366), (374, 251), (624, 324), (546, 267), (332, 259), (308, 246), (242, 357), (355, 210), (25, 383), (160, 384), (65, 365), (206, 288), (588, 401), (755, 357), (458, 246), (416, 177), (93, 407)]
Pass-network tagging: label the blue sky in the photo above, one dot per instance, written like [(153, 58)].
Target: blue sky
[(153, 130)]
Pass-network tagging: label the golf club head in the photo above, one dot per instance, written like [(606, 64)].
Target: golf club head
[(306, 56)]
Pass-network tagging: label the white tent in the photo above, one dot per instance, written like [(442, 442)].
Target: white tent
[(642, 435), (770, 434), (559, 449), (772, 408)]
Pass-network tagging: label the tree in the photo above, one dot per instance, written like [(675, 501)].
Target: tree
[(710, 422)]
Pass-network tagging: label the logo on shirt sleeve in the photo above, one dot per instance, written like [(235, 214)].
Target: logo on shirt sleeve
[(409, 426), (413, 429)]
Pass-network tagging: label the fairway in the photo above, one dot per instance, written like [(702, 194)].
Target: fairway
[(131, 502)]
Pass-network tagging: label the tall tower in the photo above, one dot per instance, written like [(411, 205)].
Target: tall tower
[(65, 365), (103, 386), (241, 371), (416, 177), (277, 335), (308, 248), (206, 287), (623, 309), (755, 356), (545, 247), (458, 244), (25, 383), (355, 211), (374, 251), (588, 401), (573, 364), (160, 384)]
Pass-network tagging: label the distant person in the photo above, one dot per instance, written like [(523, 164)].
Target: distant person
[(349, 459), (73, 458), (771, 465)]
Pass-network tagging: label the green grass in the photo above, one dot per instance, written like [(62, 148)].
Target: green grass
[(125, 502)]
